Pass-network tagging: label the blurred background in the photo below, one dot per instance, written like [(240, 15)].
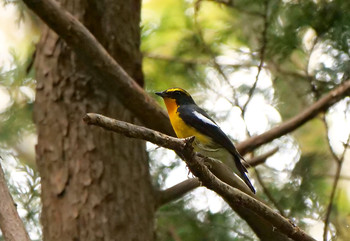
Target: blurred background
[(252, 65)]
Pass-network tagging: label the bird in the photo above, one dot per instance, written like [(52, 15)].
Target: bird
[(188, 119)]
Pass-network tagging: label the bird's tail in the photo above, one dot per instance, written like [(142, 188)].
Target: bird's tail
[(242, 171)]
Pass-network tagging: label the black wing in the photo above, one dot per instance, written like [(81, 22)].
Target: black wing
[(190, 115), (197, 118)]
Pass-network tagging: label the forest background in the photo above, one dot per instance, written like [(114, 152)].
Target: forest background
[(252, 64)]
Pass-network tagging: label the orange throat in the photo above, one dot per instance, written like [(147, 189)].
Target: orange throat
[(175, 120), (181, 129), (171, 107)]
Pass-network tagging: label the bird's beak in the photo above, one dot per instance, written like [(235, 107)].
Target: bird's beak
[(161, 94)]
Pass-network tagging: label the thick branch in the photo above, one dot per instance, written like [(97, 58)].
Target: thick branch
[(110, 74), (290, 125), (10, 223), (233, 197)]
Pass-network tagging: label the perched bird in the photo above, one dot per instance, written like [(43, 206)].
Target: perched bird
[(188, 119)]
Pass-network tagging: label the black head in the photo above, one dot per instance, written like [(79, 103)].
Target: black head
[(180, 95)]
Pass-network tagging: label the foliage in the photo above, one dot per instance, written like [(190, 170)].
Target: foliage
[(203, 45), (214, 48), (17, 95), (177, 221)]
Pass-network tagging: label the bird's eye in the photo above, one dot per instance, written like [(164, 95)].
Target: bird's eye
[(177, 92)]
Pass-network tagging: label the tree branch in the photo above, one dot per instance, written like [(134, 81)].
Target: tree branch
[(180, 189), (339, 162), (235, 198), (262, 56), (176, 191), (268, 194), (108, 72), (10, 223), (257, 160), (290, 125)]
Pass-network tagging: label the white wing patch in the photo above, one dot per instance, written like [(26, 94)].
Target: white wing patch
[(204, 119)]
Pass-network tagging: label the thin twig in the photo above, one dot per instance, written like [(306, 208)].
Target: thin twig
[(311, 80), (250, 96), (257, 160), (268, 194), (173, 233), (339, 162), (262, 55), (331, 199), (209, 51), (176, 191), (347, 178), (233, 104)]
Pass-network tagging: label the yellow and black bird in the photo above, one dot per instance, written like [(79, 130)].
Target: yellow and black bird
[(188, 119)]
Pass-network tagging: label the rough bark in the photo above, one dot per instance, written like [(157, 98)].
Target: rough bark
[(11, 224), (94, 186)]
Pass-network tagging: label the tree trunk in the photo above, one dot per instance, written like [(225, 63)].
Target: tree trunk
[(95, 184)]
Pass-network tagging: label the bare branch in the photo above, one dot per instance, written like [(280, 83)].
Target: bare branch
[(257, 160), (173, 233), (10, 223), (268, 193), (339, 162), (180, 189), (290, 125), (313, 86), (235, 198), (262, 56), (176, 191)]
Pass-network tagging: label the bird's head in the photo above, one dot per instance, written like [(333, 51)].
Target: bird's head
[(180, 96)]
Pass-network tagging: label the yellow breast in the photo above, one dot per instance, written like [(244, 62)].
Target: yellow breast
[(181, 129)]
